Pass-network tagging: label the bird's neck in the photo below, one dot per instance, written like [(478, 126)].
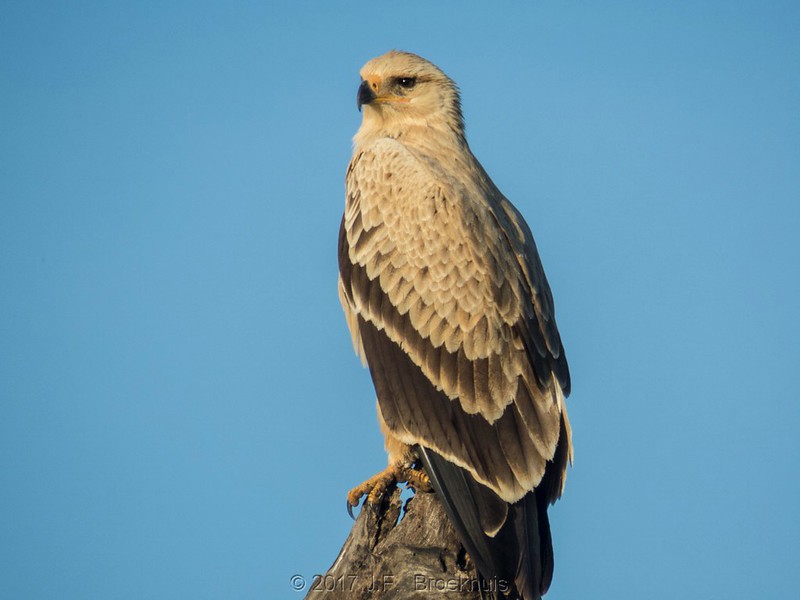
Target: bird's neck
[(426, 137), (440, 128)]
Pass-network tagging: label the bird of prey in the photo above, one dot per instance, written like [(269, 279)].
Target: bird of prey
[(448, 304)]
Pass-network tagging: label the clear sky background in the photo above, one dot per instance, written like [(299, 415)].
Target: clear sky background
[(181, 411)]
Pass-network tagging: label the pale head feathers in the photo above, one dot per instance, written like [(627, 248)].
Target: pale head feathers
[(407, 92)]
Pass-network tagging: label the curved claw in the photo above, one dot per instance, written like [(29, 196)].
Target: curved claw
[(350, 510)]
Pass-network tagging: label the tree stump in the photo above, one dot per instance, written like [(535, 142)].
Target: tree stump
[(397, 553)]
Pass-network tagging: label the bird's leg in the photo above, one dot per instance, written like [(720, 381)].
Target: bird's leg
[(402, 458)]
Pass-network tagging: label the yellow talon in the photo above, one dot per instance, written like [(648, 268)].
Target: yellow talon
[(375, 487)]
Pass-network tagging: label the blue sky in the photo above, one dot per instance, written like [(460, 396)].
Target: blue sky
[(181, 412)]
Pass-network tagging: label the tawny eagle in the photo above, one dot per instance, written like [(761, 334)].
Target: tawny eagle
[(447, 303)]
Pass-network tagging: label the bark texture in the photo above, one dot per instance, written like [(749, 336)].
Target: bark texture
[(402, 553)]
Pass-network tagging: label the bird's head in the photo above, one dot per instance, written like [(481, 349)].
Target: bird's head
[(400, 90)]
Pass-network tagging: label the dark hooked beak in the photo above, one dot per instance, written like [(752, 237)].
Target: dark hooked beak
[(365, 94)]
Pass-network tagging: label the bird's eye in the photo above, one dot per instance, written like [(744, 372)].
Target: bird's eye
[(407, 82)]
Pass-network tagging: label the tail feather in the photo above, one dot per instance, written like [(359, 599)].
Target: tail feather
[(509, 543)]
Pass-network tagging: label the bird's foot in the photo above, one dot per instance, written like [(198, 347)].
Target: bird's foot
[(375, 487), (418, 479)]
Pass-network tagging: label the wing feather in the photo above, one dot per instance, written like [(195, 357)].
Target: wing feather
[(460, 291)]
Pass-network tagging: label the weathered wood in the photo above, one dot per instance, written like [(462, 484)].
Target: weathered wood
[(401, 553)]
